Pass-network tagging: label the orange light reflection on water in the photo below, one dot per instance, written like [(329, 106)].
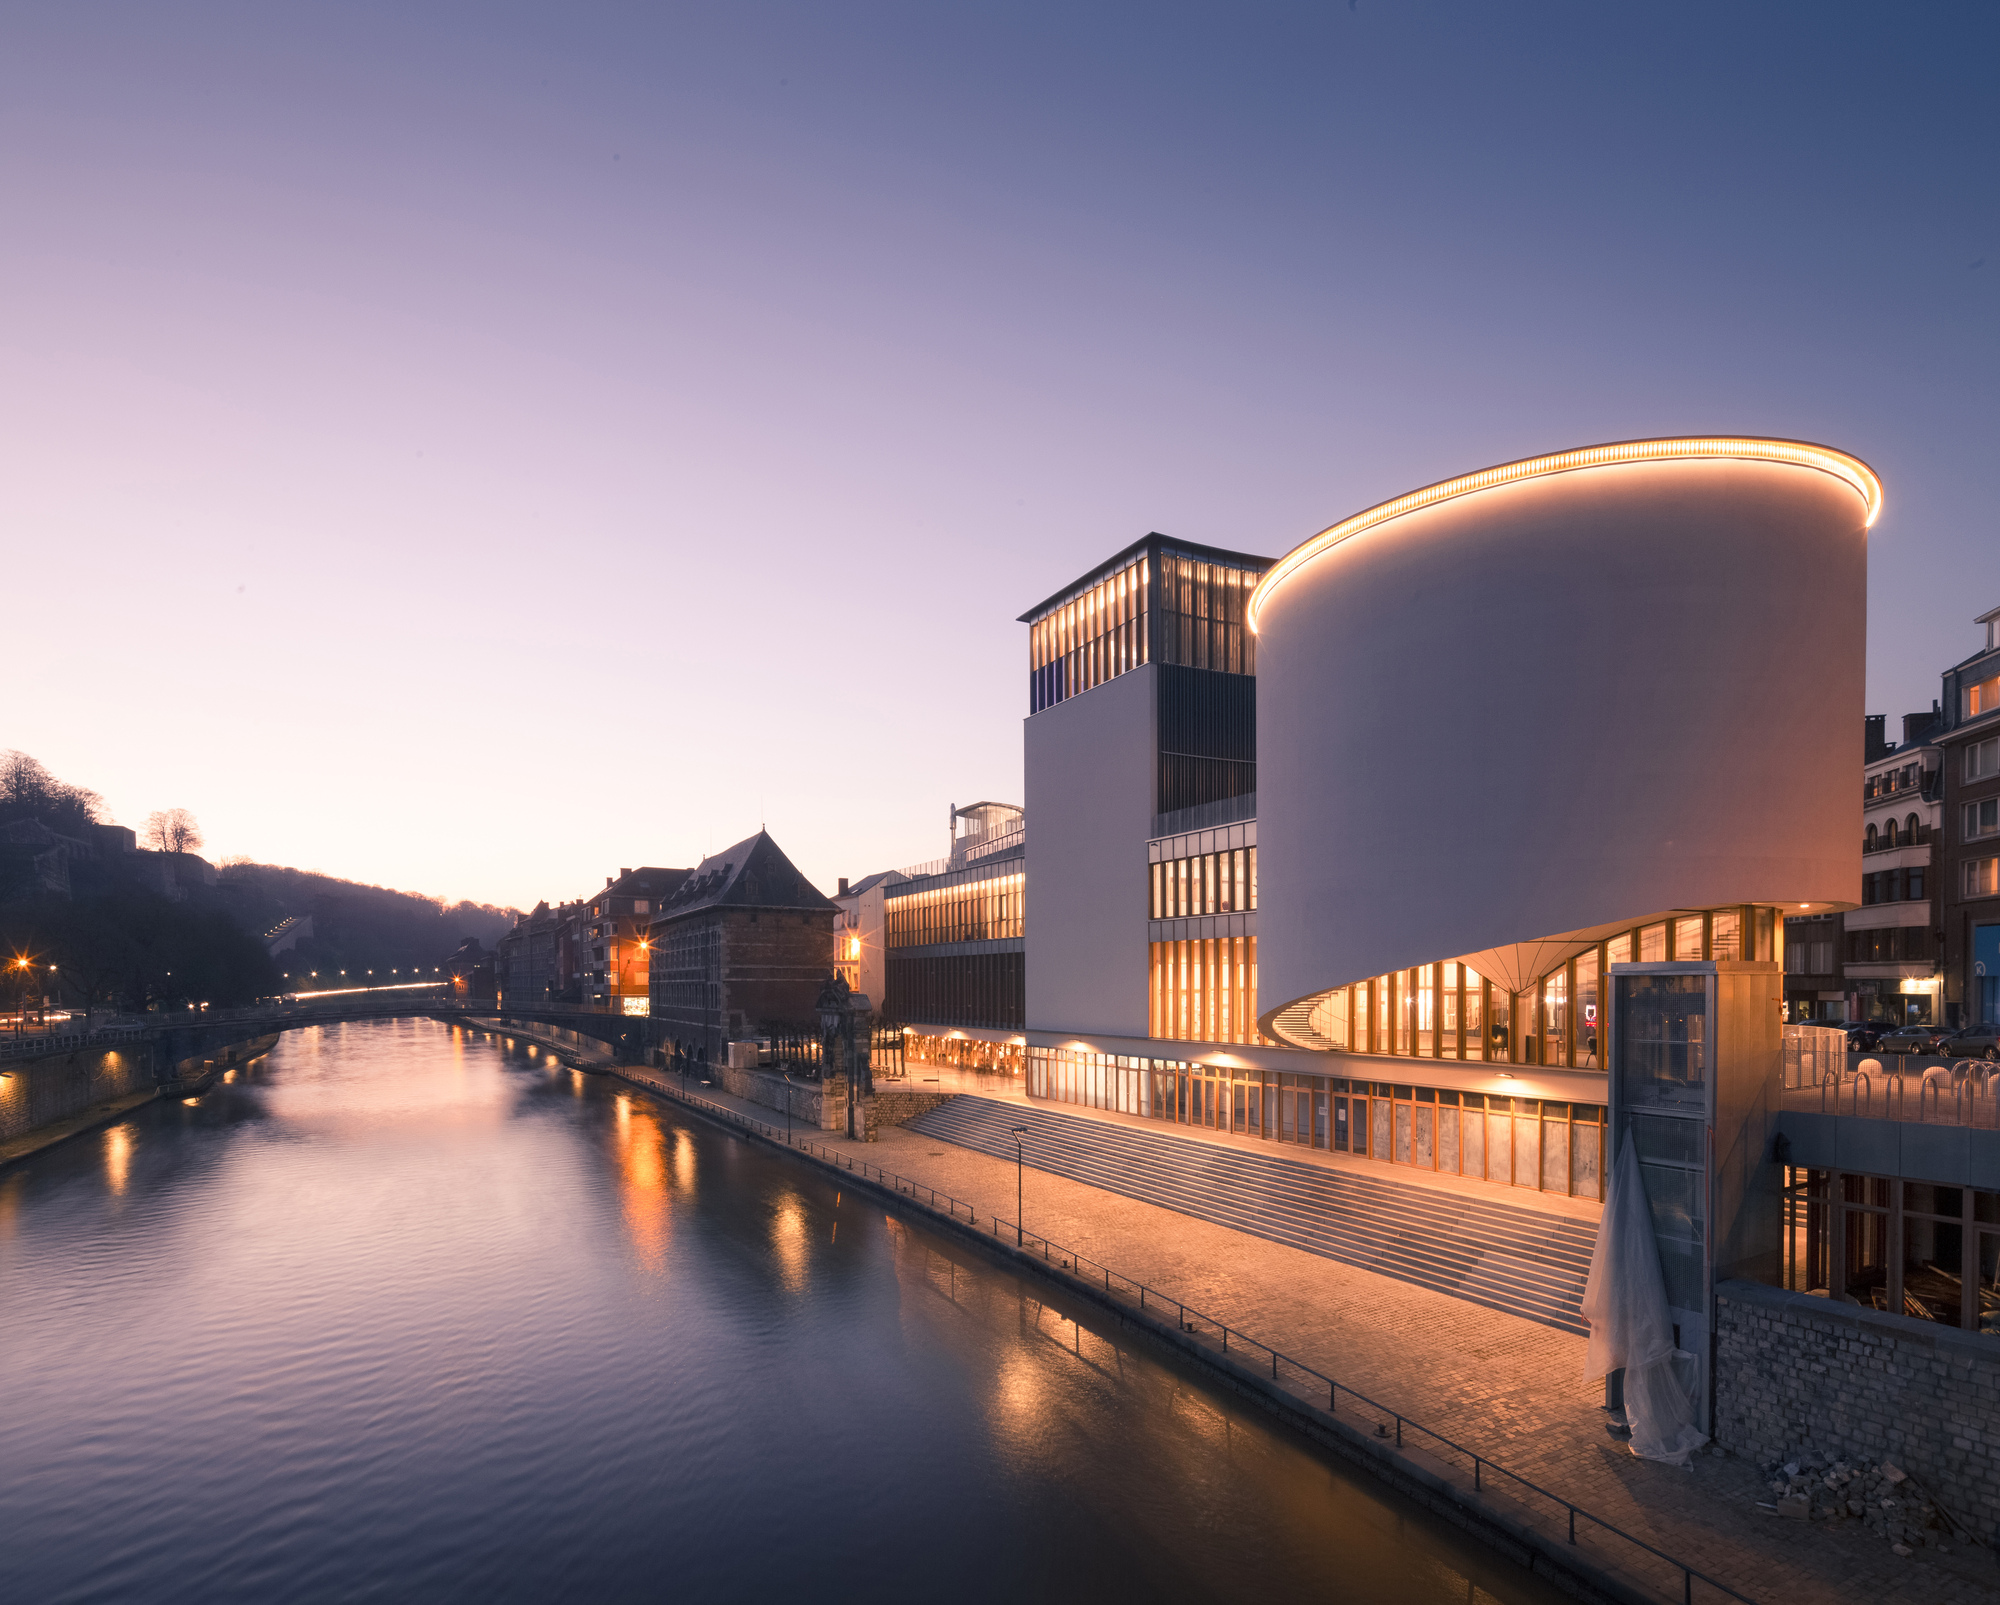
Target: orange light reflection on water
[(117, 1158), (642, 1185)]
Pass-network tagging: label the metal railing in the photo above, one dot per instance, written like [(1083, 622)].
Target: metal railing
[(131, 1028), (1303, 1382), (1963, 1094)]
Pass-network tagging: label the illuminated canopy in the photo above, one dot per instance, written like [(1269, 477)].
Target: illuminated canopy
[(1824, 459)]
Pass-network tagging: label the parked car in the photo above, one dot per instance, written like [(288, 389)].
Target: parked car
[(1862, 1034), (1972, 1042), (1922, 1039)]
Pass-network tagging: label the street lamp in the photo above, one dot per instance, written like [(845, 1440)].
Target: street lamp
[(1019, 1133), (789, 1084)]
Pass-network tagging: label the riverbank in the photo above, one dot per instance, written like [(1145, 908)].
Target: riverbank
[(1506, 1388)]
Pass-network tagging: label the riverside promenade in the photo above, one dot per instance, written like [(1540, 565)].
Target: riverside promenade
[(1508, 1388)]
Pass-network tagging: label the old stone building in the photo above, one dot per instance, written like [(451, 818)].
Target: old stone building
[(741, 948)]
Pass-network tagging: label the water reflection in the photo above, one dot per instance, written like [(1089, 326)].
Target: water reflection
[(422, 1320), (117, 1157)]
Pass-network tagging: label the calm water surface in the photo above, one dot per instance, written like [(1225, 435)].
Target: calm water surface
[(402, 1312)]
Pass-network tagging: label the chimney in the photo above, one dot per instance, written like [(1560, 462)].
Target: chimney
[(843, 887), (623, 873), (1875, 741), (607, 880)]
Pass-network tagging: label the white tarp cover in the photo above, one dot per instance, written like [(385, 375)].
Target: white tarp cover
[(1625, 1302)]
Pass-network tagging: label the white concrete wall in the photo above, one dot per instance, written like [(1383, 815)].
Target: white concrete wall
[(1089, 770), (1552, 705)]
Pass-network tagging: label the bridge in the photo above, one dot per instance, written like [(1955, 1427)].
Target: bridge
[(168, 1041)]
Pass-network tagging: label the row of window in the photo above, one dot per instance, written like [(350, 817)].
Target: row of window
[(1893, 886), (1203, 990), (1891, 781), (1910, 1248), (1912, 831), (1895, 944), (988, 909), (1095, 635), (1809, 958), (1204, 615), (1205, 883), (1450, 1011), (1516, 1142)]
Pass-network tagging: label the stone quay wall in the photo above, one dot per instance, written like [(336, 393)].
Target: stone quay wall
[(39, 1092), (823, 1104), (1807, 1379)]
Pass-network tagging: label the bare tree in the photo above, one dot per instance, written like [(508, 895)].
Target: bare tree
[(172, 831), (29, 791)]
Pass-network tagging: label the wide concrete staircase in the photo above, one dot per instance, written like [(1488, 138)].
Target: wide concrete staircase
[(1524, 1261)]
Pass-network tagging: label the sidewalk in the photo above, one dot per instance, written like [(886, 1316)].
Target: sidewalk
[(1506, 1387)]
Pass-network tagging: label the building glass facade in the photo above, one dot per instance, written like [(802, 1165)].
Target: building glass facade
[(1203, 990), (1538, 1145), (1205, 883), (1156, 602), (984, 903), (1451, 1011)]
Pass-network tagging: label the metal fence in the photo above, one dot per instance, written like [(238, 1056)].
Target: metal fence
[(1555, 1516), (1813, 1053)]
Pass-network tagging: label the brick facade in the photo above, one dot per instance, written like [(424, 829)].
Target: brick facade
[(1798, 1377)]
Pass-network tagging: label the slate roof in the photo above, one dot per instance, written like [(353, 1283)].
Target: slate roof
[(754, 873)]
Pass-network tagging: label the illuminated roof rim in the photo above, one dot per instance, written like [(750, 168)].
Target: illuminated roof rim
[(1841, 465)]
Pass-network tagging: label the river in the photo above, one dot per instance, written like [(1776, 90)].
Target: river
[(401, 1312)]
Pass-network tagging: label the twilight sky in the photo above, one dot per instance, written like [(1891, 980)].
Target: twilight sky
[(472, 448)]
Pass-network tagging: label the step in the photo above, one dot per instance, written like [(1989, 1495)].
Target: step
[(1500, 1256)]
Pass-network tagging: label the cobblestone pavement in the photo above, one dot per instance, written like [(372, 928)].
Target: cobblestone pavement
[(1505, 1387)]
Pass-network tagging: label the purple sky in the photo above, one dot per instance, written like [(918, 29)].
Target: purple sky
[(475, 447)]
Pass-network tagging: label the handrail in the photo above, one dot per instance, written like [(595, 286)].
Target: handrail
[(1190, 1321)]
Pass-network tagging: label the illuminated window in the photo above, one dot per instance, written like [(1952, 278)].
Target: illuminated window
[(1983, 697), (1982, 877)]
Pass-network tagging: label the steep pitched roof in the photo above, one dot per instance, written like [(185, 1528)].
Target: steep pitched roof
[(754, 873)]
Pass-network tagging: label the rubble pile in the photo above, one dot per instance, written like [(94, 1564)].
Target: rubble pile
[(1884, 1499)]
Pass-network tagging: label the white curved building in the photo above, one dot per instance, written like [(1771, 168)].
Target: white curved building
[(1584, 709)]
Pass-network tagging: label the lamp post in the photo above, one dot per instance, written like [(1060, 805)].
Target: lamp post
[(786, 1074), (1019, 1133)]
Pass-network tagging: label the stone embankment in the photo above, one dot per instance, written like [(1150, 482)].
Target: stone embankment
[(44, 1101), (823, 1104)]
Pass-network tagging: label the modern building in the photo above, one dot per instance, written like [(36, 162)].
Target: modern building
[(741, 948), (613, 945), (1891, 967), (1968, 745), (953, 941)]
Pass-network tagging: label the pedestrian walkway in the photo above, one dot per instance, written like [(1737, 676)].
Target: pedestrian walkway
[(1500, 1255), (1507, 1387)]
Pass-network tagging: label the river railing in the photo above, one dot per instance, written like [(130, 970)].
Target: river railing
[(1303, 1383)]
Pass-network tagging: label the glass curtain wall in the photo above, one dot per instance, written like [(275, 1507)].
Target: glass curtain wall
[(1084, 640), (1209, 883), (1204, 990), (1534, 1144), (979, 908), (1451, 1011), (1202, 615)]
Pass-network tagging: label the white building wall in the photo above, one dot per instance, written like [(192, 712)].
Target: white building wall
[(1546, 706), (1090, 777)]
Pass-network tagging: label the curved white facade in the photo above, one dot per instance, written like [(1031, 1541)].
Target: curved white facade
[(1550, 703)]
